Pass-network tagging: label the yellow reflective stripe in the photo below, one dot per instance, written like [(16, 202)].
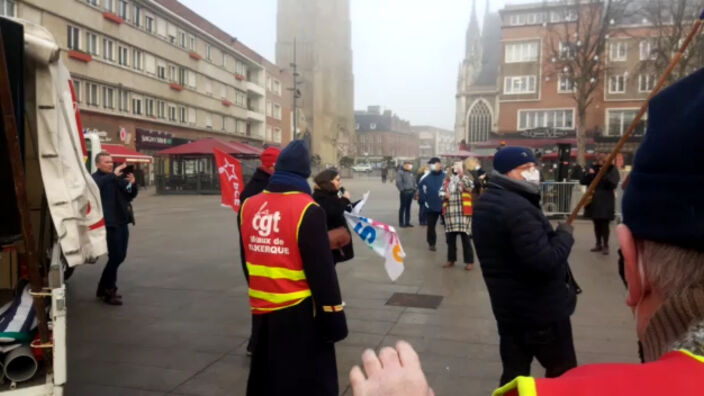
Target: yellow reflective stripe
[(282, 193), (698, 358), (300, 220), (275, 273), (526, 387), (279, 298), (332, 308)]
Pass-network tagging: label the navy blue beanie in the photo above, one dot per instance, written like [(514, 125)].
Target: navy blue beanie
[(510, 158), (664, 200), (295, 158), (434, 160)]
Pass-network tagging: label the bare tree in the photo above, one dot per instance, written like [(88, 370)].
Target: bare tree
[(672, 20), (578, 33)]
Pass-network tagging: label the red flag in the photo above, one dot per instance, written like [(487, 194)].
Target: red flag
[(231, 181)]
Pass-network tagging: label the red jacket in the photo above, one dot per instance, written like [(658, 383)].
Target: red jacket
[(675, 374)]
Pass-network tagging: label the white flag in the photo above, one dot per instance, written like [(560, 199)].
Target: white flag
[(381, 238)]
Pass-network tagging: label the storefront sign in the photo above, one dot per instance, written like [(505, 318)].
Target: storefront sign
[(104, 137), (547, 133), (157, 140)]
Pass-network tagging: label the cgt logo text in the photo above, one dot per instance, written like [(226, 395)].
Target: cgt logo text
[(264, 222)]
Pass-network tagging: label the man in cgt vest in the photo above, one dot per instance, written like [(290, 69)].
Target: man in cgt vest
[(662, 239), (293, 288)]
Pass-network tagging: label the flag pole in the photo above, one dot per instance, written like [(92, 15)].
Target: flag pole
[(644, 108)]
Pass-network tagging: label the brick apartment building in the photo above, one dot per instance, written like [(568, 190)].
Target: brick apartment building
[(509, 90), (162, 73), (383, 134)]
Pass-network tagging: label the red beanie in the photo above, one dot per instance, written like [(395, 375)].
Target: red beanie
[(269, 157)]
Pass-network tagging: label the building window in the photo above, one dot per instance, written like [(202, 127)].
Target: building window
[(182, 115), (108, 98), (7, 8), (517, 19), (241, 127), (77, 90), (277, 87), (619, 51), (109, 5), (277, 111), (208, 120), (137, 14), (92, 94), (74, 38), (160, 109), (172, 73), (137, 106), (557, 119), (620, 119), (149, 107), (161, 71), (646, 82), (182, 39), (277, 135), (567, 51), (208, 86), (92, 2), (182, 76), (240, 99), (149, 24), (92, 43), (124, 101), (565, 84), (240, 68), (208, 55), (137, 60), (646, 50), (479, 122), (191, 43), (566, 15), (521, 52), (269, 109), (617, 84), (123, 56), (122, 9), (108, 50), (517, 85), (172, 113)]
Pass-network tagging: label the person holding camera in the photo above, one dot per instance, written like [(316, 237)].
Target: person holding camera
[(335, 201), (118, 188)]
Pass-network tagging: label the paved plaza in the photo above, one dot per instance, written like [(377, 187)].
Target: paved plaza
[(184, 326)]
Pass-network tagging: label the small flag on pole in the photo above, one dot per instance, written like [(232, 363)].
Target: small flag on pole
[(231, 181)]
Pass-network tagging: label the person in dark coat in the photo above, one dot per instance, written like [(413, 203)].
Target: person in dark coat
[(257, 184), (117, 190), (294, 349), (430, 193), (602, 209), (384, 173), (406, 185), (524, 264), (330, 196)]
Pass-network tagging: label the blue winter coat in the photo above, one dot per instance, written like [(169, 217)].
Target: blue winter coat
[(429, 189)]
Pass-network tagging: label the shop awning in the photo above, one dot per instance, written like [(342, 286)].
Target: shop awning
[(247, 147), (206, 146), (126, 154)]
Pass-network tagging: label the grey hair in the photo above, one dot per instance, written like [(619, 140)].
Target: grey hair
[(101, 155), (671, 269)]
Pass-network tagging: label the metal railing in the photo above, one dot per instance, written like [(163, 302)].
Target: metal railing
[(559, 198)]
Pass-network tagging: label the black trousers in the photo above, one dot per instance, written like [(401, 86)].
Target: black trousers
[(117, 239), (466, 247), (552, 345), (431, 236), (289, 357), (404, 212), (601, 232)]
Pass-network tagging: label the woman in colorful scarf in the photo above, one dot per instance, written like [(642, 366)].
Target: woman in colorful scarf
[(457, 211)]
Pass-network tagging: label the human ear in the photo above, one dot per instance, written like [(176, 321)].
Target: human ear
[(630, 258)]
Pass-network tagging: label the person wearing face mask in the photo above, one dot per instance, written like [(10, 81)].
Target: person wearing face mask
[(524, 265), (430, 193), (406, 185), (602, 207), (457, 211)]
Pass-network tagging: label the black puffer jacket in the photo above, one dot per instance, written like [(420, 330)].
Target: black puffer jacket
[(523, 260), (603, 204), (335, 208)]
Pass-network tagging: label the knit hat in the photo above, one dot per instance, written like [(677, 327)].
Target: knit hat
[(295, 158), (434, 160), (510, 158), (664, 200), (269, 156)]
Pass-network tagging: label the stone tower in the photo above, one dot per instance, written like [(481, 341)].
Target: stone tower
[(322, 32)]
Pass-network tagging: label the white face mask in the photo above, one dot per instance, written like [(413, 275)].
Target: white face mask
[(531, 175)]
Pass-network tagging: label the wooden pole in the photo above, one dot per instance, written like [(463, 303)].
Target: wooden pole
[(661, 83), (15, 156)]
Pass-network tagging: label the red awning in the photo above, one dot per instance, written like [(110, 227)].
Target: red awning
[(246, 147), (125, 154), (460, 154), (205, 147)]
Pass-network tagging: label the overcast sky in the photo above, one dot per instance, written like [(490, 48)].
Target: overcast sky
[(406, 52)]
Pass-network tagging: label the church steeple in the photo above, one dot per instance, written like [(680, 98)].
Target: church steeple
[(473, 34)]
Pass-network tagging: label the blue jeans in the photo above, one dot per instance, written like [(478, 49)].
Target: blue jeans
[(404, 212), (117, 238)]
